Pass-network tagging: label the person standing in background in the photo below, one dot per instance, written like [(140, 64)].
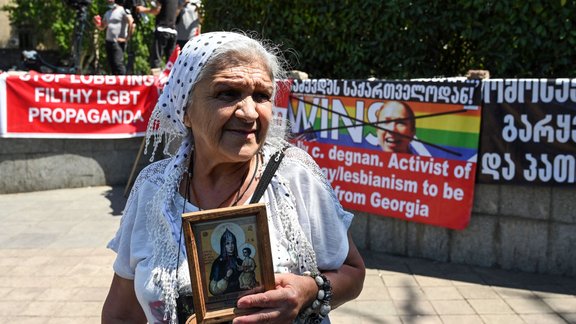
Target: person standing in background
[(140, 21), (188, 22), (139, 17), (119, 26), (165, 32)]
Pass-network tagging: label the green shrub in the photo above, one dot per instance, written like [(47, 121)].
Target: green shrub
[(389, 39), (51, 25), (411, 39)]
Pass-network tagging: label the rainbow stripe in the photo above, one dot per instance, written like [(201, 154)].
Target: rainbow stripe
[(447, 125), (448, 138)]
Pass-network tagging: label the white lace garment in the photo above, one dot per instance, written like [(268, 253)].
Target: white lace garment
[(308, 230)]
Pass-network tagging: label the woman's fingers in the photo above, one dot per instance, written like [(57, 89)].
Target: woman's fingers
[(265, 315), (279, 305), (281, 297)]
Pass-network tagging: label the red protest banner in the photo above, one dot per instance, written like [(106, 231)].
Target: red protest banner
[(77, 106), (403, 149), (423, 189)]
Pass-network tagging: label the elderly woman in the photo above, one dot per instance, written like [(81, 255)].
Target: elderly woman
[(218, 103)]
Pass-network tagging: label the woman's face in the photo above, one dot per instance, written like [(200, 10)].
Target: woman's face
[(231, 111), (229, 246)]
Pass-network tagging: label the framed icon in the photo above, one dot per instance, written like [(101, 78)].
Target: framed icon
[(229, 256)]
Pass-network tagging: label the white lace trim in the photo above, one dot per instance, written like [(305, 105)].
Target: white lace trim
[(162, 211)]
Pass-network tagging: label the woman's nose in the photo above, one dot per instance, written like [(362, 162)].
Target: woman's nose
[(247, 109)]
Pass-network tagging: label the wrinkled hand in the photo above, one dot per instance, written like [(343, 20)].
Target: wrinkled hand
[(280, 305)]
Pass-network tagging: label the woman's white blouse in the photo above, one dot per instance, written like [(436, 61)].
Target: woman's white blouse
[(298, 183)]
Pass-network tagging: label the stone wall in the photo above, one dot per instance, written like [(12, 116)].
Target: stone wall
[(524, 228), (43, 164)]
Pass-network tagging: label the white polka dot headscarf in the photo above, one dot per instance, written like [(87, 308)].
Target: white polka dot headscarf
[(167, 119), (167, 124)]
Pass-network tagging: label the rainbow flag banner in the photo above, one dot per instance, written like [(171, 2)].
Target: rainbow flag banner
[(404, 149)]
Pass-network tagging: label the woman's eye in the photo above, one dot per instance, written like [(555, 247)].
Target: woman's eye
[(229, 95), (261, 97)]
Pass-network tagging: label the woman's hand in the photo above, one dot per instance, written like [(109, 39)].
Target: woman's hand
[(294, 293), (282, 304)]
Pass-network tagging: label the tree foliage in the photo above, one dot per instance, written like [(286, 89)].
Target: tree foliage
[(393, 39), (52, 24), (411, 39)]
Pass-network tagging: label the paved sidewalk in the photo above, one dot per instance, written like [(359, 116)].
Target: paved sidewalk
[(54, 268)]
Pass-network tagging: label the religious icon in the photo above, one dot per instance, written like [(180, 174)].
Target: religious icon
[(229, 255)]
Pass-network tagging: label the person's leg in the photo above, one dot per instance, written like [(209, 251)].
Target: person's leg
[(121, 64), (156, 50), (170, 45), (118, 67), (111, 56)]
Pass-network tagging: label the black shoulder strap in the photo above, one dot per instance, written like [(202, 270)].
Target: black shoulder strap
[(271, 168)]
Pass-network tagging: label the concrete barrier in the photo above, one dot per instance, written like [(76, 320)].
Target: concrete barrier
[(529, 229), (42, 164)]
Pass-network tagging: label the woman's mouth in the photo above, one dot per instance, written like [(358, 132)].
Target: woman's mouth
[(245, 133)]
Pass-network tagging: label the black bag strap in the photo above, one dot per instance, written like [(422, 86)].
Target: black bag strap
[(271, 168)]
